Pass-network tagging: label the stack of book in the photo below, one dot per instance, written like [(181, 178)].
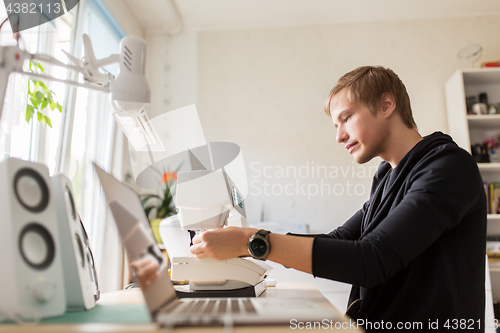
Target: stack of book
[(493, 247), (491, 64), (492, 196)]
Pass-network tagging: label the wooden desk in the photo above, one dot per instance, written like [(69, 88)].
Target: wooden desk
[(134, 296)]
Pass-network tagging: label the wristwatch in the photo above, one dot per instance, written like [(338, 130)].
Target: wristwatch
[(258, 244)]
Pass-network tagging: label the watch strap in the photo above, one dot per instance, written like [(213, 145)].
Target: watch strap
[(263, 233)]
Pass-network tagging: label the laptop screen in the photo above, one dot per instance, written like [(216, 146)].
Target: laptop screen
[(137, 236)]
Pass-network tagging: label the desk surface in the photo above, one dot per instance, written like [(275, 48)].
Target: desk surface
[(134, 296)]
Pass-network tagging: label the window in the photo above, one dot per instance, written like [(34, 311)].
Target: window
[(90, 131), (18, 138), (84, 132)]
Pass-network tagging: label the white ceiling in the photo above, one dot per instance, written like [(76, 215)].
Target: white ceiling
[(234, 14), (156, 15)]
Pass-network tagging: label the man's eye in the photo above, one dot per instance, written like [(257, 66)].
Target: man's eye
[(347, 118)]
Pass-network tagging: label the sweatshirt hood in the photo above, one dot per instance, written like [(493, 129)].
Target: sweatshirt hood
[(429, 142), (397, 176)]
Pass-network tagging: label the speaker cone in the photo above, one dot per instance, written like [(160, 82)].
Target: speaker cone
[(31, 190), (37, 246)]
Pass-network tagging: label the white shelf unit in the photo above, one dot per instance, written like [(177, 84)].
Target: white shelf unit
[(484, 121), (467, 130), (489, 167)]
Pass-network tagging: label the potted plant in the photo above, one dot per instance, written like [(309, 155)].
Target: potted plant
[(159, 207)]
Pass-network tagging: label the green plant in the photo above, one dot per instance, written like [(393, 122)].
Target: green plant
[(39, 97), (161, 206)]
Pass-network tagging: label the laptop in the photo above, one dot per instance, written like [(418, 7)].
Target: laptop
[(160, 295)]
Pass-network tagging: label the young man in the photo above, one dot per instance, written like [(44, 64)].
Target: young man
[(415, 251)]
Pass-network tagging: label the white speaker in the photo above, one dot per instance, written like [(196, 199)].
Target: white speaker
[(78, 275), (32, 282), (90, 261)]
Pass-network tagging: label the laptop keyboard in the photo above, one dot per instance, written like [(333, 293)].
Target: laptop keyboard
[(211, 307), (229, 311)]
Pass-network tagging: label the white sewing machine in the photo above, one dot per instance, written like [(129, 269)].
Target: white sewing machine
[(206, 200)]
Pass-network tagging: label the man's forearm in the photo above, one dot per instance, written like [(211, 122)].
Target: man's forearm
[(231, 242), (292, 251)]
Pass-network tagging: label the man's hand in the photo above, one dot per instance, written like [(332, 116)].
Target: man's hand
[(146, 270), (231, 242), (222, 244)]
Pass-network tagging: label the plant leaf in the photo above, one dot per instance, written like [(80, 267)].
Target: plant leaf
[(47, 120), (39, 96), (29, 112), (44, 103), (145, 200), (148, 209), (34, 102), (41, 84), (149, 196)]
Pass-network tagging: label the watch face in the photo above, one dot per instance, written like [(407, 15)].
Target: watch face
[(258, 247)]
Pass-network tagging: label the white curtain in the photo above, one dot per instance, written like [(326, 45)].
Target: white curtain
[(90, 135)]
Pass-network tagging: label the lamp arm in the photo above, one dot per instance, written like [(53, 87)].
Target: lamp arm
[(114, 58), (89, 70), (65, 81), (12, 59), (139, 131), (53, 61)]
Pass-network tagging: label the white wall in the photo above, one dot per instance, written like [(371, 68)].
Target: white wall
[(171, 71), (264, 89)]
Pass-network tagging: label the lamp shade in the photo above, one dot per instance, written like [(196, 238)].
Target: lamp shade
[(130, 91)]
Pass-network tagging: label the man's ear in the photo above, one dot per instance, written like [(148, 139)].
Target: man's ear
[(388, 104)]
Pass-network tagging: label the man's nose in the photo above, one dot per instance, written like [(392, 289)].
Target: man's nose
[(341, 135)]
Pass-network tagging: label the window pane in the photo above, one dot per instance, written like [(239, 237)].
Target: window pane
[(92, 141), (54, 135), (105, 39), (15, 132), (93, 130), (18, 138)]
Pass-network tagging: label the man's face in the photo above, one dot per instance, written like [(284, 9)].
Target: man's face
[(362, 132)]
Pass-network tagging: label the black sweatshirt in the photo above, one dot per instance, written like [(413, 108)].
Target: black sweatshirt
[(415, 252)]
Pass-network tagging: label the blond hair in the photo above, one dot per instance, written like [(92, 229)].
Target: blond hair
[(366, 85)]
